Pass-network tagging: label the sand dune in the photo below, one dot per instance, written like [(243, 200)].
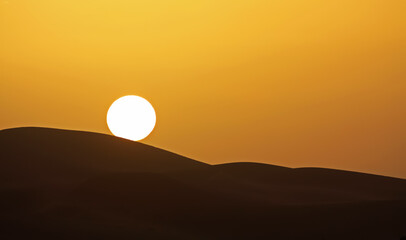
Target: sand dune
[(62, 184)]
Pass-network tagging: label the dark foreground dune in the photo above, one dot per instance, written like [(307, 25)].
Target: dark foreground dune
[(60, 184)]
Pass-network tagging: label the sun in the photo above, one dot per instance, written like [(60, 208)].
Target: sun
[(131, 117)]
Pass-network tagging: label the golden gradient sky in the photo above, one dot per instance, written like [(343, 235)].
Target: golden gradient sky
[(293, 83)]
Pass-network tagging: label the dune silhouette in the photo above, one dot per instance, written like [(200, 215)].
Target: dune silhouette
[(64, 184)]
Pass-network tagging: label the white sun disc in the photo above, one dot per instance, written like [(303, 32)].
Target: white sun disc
[(131, 117)]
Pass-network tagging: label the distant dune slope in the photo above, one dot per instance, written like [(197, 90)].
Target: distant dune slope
[(30, 152)]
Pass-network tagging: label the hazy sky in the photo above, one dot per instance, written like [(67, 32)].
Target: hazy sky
[(293, 83)]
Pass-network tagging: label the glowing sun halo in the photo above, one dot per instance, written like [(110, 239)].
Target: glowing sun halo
[(131, 117)]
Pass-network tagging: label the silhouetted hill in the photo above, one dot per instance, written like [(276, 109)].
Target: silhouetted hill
[(316, 185), (61, 184), (27, 153)]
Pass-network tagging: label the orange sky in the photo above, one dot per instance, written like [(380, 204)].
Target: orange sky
[(294, 83)]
